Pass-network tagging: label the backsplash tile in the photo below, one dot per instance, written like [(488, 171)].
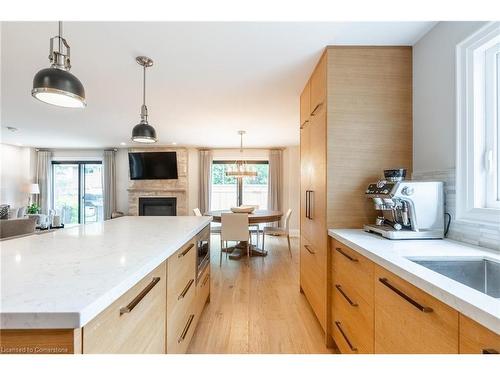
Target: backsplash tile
[(474, 234)]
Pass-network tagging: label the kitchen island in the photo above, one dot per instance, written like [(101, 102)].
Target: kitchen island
[(93, 281)]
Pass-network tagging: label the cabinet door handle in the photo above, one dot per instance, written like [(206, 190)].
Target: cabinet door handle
[(304, 123), (206, 279), (307, 204), (185, 290), (339, 288), (139, 297), (313, 113), (309, 249), (490, 351), (346, 255), (311, 206), (354, 349), (186, 329), (185, 251), (424, 309)]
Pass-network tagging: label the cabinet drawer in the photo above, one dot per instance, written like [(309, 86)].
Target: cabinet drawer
[(180, 330), (202, 291), (356, 271), (313, 278), (355, 313), (408, 320), (476, 339), (181, 268), (134, 323)]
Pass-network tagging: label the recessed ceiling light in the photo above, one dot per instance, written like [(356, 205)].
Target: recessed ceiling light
[(123, 143), (19, 144), (174, 143)]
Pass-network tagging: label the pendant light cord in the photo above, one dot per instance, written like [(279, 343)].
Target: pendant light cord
[(144, 87)]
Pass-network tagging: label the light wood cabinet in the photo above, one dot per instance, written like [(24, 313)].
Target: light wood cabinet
[(360, 100), (476, 339), (352, 323), (408, 320), (305, 102), (312, 274), (318, 85), (135, 323)]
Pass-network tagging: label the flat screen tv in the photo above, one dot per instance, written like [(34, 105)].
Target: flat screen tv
[(152, 165)]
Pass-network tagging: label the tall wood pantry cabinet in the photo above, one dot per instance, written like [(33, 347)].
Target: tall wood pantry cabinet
[(355, 121)]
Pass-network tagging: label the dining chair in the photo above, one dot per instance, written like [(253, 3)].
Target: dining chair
[(197, 211), (254, 228), (234, 228), (279, 231)]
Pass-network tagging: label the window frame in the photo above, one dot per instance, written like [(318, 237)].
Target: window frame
[(239, 181), (474, 127)]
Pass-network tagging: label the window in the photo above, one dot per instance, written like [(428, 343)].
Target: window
[(77, 191), (225, 189), (478, 156)]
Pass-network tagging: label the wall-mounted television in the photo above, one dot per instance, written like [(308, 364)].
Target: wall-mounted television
[(152, 165)]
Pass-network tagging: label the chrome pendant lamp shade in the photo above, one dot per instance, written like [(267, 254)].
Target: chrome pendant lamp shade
[(56, 85), (143, 132)]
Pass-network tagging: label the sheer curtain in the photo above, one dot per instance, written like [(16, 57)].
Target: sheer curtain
[(275, 182), (44, 180), (206, 158), (109, 183)]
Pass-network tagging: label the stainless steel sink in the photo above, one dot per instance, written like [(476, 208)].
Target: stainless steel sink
[(478, 273)]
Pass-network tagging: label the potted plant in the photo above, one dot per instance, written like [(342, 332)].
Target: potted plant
[(33, 209)]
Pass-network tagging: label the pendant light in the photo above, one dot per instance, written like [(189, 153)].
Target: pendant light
[(241, 169), (143, 132), (56, 85)]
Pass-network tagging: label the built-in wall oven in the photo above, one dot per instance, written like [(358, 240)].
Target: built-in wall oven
[(202, 251)]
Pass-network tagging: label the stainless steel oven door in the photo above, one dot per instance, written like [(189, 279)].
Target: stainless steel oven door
[(202, 252)]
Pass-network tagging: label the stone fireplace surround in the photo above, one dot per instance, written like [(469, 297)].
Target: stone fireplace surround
[(161, 188)]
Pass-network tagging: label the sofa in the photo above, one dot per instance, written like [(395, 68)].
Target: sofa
[(17, 227)]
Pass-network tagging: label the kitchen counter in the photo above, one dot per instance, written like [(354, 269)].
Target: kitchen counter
[(393, 254), (63, 279)]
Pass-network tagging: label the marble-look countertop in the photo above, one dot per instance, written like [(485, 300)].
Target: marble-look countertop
[(63, 279), (393, 255)]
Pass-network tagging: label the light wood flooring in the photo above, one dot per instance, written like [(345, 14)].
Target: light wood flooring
[(258, 309)]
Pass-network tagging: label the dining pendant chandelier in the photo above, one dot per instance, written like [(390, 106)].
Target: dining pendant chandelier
[(241, 168), (56, 85), (143, 132)]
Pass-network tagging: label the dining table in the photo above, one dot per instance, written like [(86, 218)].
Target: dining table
[(255, 217)]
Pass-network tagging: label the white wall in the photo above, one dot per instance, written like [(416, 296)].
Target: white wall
[(434, 135), (16, 173)]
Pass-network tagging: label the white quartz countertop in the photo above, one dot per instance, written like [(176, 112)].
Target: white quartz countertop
[(64, 278), (393, 255)]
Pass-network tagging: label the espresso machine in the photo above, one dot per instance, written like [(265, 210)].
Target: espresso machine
[(407, 209)]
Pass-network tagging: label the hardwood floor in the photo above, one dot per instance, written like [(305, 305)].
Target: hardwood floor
[(258, 309)]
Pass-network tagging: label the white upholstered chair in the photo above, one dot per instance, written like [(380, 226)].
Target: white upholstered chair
[(234, 228), (279, 231), (197, 211)]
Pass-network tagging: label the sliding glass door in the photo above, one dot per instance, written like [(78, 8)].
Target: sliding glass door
[(77, 191), (226, 189)]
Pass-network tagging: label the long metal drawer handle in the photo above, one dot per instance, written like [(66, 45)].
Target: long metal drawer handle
[(490, 351), (316, 108), (308, 249), (304, 123), (186, 289), (424, 309), (185, 251), (339, 288), (346, 255), (337, 323), (186, 329), (206, 279), (140, 296)]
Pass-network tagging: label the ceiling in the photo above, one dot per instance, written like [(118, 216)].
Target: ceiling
[(208, 80)]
